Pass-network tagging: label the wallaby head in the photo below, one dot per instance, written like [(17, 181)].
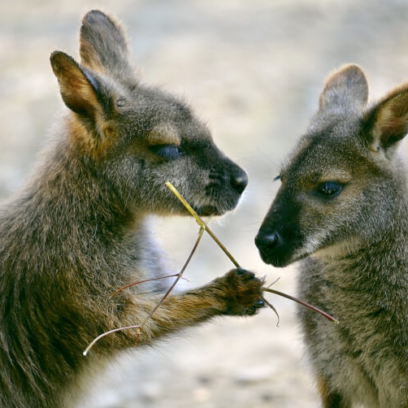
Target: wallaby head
[(341, 183), (137, 136)]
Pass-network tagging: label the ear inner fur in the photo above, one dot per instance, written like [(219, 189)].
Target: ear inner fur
[(389, 119), (79, 90)]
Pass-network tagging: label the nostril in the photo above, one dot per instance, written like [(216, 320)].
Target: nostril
[(267, 241), (239, 182)]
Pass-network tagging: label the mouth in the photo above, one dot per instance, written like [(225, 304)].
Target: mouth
[(280, 261), (272, 259), (207, 211)]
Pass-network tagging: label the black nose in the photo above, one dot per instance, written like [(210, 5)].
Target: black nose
[(239, 182), (267, 242)]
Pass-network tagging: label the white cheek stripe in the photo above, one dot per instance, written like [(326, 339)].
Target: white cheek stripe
[(312, 243)]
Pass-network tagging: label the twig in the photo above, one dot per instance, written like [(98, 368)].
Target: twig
[(303, 303), (140, 326), (273, 308), (142, 281), (201, 223), (273, 282), (179, 276), (96, 339)]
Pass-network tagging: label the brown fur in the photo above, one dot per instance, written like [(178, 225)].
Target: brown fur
[(79, 229), (343, 210)]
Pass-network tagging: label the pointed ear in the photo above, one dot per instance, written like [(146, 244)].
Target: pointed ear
[(103, 45), (345, 90), (387, 121), (80, 90)]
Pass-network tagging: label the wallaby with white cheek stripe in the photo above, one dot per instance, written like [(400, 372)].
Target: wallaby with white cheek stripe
[(343, 210), (78, 230)]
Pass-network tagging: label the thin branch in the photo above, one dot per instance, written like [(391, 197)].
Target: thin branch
[(273, 308), (142, 281), (303, 303), (179, 276), (201, 223), (139, 327), (273, 282), (96, 339)]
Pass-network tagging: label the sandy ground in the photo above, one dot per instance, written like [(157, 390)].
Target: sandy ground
[(253, 70)]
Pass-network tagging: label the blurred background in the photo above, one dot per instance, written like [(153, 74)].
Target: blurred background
[(253, 71)]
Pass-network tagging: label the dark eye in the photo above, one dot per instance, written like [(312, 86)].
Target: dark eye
[(121, 102), (167, 152), (330, 188)]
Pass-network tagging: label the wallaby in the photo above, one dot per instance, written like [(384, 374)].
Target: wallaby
[(78, 230), (342, 209)]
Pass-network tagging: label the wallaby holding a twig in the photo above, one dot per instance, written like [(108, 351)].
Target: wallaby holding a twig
[(343, 209), (78, 230)]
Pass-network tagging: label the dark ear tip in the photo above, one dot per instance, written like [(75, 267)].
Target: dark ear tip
[(55, 55), (59, 60), (59, 57), (56, 59), (93, 15), (347, 71), (354, 70)]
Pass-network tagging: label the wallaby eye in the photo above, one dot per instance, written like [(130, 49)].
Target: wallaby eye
[(121, 102), (330, 188), (167, 152)]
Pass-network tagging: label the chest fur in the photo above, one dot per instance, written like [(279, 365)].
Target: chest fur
[(367, 350)]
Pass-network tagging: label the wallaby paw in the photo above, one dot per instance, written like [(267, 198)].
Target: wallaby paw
[(242, 292)]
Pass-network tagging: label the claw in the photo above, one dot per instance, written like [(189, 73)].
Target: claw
[(260, 303)]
